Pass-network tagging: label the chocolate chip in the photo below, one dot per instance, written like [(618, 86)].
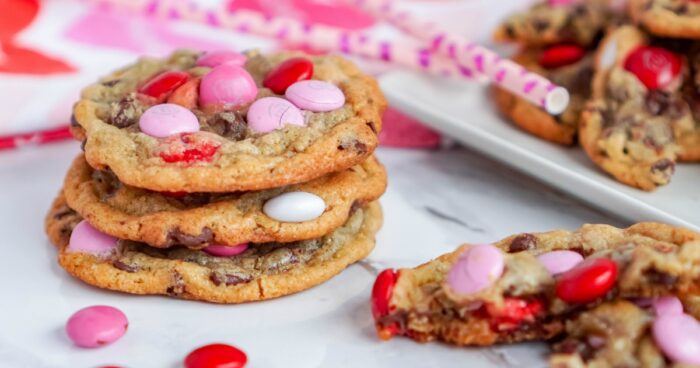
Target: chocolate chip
[(73, 121), (229, 124), (354, 207), (522, 242), (540, 24), (125, 267), (371, 126), (106, 181), (178, 286), (663, 103), (660, 278), (177, 237), (356, 145), (111, 83), (664, 165), (229, 279), (126, 112), (510, 31)]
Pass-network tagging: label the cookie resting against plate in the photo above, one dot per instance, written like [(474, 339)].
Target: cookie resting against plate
[(541, 286), (195, 220), (212, 123), (244, 273), (639, 122), (667, 18)]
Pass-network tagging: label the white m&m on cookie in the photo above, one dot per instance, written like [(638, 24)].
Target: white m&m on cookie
[(315, 95), (294, 207)]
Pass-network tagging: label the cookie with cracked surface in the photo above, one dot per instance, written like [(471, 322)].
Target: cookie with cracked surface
[(638, 114), (572, 71), (541, 280), (546, 23), (196, 220), (218, 149), (263, 271), (667, 18)]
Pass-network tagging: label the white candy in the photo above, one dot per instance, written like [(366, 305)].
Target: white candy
[(295, 207), (608, 55)]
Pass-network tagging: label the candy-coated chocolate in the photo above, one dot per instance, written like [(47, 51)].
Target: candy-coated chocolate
[(655, 67), (678, 337), (608, 55), (588, 281), (476, 269), (270, 113), (164, 120), (87, 239), (294, 207), (287, 73), (96, 326), (667, 305), (560, 261), (188, 148), (213, 59), (512, 312), (381, 292), (561, 55), (315, 95), (227, 85), (226, 250), (187, 95), (216, 356), (164, 83)]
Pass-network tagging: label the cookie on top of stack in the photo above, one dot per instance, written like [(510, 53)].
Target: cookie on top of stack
[(221, 176)]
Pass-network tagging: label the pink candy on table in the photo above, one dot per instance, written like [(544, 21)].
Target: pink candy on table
[(667, 305), (315, 95), (87, 239), (559, 261), (226, 250), (270, 113), (476, 269), (215, 58), (227, 85), (678, 337), (164, 120), (96, 326)]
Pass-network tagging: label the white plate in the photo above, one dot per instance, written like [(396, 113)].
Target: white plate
[(463, 110)]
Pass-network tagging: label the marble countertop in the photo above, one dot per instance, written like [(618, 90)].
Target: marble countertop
[(435, 201)]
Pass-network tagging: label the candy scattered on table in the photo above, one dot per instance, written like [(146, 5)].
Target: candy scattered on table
[(226, 250), (294, 207), (86, 239), (560, 261), (164, 120), (588, 281), (213, 59), (228, 86), (216, 356), (655, 67), (96, 326), (270, 113), (476, 269), (287, 73), (315, 95), (678, 336), (162, 84)]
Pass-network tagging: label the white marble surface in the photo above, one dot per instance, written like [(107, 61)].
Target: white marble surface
[(435, 201)]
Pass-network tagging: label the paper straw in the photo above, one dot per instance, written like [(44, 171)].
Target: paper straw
[(34, 138), (482, 61)]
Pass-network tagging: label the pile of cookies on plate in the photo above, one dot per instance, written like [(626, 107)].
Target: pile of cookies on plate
[(633, 72), (221, 176)]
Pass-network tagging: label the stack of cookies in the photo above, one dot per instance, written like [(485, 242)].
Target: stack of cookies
[(634, 77), (222, 177)]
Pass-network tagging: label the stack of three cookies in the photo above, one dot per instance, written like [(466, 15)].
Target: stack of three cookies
[(222, 177)]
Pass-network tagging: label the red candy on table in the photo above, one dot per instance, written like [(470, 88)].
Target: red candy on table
[(588, 281), (561, 55), (287, 73), (188, 148), (164, 83), (655, 67), (216, 356)]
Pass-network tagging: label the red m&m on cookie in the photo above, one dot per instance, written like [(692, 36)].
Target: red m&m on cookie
[(216, 356), (561, 55), (164, 83), (382, 290), (588, 281), (655, 67), (287, 73)]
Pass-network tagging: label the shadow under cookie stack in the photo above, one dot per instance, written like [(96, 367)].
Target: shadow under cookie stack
[(222, 177)]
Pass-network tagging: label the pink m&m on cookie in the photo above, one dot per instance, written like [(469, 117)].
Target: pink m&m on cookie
[(559, 261), (476, 269), (226, 250), (678, 337), (168, 119), (96, 326), (87, 239), (215, 58), (315, 95), (270, 113), (667, 305), (227, 85)]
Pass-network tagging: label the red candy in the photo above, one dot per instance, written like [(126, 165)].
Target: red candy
[(654, 66), (216, 356), (381, 292), (164, 83), (561, 55), (289, 72), (513, 312), (188, 148), (588, 281)]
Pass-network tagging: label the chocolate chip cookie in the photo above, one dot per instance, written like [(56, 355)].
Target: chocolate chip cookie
[(196, 220), (667, 18), (181, 124), (262, 271)]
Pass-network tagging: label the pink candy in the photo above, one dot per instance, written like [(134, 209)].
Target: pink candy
[(476, 269), (215, 58), (96, 326), (270, 113), (559, 261), (86, 239), (315, 95), (667, 305), (226, 250), (164, 120), (678, 336), (227, 85)]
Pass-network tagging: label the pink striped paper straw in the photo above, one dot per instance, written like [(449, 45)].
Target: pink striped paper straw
[(482, 61), (34, 138)]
